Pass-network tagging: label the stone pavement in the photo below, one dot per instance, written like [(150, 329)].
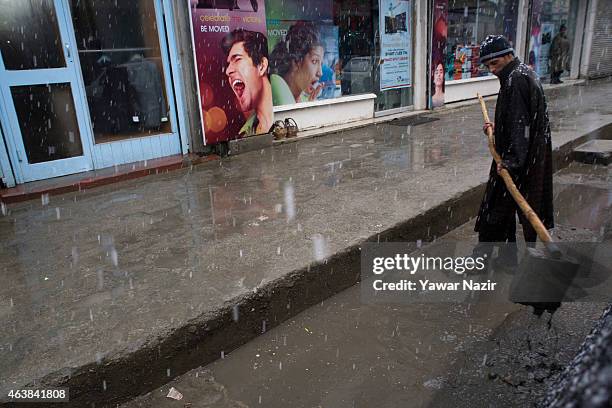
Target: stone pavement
[(116, 290)]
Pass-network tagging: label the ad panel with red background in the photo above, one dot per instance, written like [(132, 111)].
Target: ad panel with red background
[(212, 21), (438, 50)]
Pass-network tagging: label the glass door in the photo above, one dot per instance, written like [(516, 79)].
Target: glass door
[(38, 87), (124, 63)]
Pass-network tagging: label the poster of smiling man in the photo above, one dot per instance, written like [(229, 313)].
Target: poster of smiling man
[(231, 63)]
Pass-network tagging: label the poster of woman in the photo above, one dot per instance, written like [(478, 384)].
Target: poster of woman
[(304, 51), (296, 65), (438, 52)]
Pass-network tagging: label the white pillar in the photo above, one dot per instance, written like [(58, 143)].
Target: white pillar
[(522, 36), (421, 54), (6, 172), (579, 38), (587, 42)]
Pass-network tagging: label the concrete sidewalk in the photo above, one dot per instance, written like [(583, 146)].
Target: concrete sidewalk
[(114, 291)]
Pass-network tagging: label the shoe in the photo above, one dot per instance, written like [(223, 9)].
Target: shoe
[(482, 250)]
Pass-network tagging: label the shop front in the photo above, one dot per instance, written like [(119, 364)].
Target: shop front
[(546, 34), (459, 27), (368, 50), (84, 85), (552, 31), (92, 84), (328, 62)]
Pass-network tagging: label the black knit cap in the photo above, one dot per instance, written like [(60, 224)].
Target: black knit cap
[(494, 46)]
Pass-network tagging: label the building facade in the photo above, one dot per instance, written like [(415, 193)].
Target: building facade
[(92, 84)]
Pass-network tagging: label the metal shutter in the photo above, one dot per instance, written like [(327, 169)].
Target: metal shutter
[(601, 50)]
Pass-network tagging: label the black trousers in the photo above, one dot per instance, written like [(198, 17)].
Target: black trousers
[(555, 77), (504, 232)]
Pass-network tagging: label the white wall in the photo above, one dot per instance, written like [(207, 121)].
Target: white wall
[(467, 88), (579, 37), (587, 44), (328, 112)]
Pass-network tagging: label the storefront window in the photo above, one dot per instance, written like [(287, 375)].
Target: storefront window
[(393, 42), (120, 57), (323, 49), (547, 19), (23, 48), (469, 22), (358, 63)]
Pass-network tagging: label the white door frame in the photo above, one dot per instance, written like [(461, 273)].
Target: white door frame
[(6, 171), (140, 148), (21, 169)]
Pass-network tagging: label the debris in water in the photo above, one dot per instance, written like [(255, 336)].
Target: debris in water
[(174, 394), (434, 383)]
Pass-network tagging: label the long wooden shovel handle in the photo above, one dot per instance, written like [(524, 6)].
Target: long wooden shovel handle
[(516, 194)]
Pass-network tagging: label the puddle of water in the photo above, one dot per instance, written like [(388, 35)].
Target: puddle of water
[(582, 206)]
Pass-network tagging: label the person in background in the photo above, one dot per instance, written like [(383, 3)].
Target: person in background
[(246, 55), (559, 55), (522, 138), (296, 65)]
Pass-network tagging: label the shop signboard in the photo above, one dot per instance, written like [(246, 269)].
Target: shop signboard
[(231, 64), (304, 50), (395, 44)]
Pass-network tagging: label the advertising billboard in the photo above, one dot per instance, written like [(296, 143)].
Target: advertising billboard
[(231, 63)]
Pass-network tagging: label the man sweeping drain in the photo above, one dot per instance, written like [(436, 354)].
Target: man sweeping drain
[(522, 139), (521, 177)]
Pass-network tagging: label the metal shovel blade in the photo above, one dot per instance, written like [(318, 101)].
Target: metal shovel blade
[(542, 281)]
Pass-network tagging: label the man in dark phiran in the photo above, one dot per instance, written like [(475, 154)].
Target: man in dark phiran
[(522, 138)]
